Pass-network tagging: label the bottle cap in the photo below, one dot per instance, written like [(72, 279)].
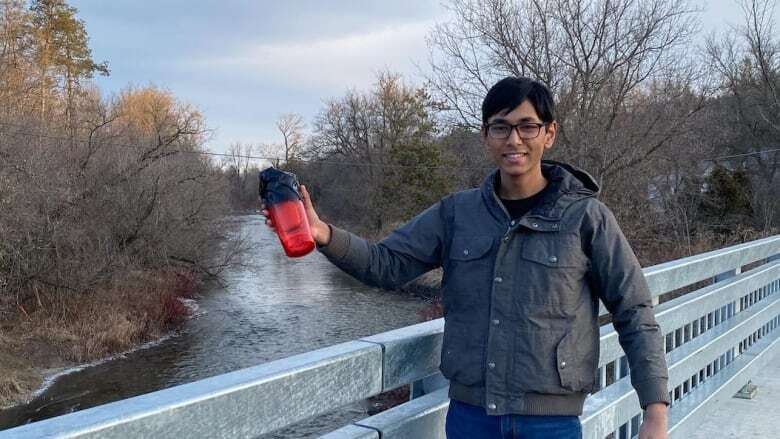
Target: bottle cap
[(277, 186)]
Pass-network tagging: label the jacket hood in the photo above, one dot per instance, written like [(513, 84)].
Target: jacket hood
[(568, 184), (573, 178)]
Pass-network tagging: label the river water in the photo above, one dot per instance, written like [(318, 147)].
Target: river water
[(271, 307)]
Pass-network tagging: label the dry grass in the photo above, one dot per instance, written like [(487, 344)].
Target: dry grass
[(15, 377), (658, 249), (71, 329)]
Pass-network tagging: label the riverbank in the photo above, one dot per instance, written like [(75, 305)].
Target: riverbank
[(62, 331), (63, 334)]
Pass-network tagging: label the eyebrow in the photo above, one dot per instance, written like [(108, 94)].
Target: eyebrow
[(525, 119)]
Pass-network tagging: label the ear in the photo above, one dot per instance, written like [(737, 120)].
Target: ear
[(549, 134)]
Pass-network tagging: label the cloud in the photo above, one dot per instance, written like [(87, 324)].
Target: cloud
[(330, 64)]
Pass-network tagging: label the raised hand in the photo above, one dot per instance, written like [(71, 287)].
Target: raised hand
[(320, 231)]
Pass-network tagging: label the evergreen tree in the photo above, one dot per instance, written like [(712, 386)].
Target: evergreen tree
[(727, 199), (15, 65), (61, 52), (388, 136)]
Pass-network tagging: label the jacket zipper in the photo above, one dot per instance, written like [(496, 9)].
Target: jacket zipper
[(506, 213)]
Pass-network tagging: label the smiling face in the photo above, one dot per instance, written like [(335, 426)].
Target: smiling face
[(519, 159)]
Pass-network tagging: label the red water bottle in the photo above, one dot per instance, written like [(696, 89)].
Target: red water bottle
[(279, 191)]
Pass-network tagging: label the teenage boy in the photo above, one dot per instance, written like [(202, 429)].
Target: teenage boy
[(526, 258)]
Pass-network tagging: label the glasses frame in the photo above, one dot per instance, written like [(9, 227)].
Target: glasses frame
[(514, 127)]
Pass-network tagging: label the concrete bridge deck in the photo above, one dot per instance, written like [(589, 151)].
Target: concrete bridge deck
[(747, 418)]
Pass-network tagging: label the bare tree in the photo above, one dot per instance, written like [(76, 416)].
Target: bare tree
[(620, 71), (128, 194), (242, 173), (105, 200), (747, 59), (291, 126), (386, 137)]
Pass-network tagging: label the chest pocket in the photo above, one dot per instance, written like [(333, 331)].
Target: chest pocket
[(551, 271), (470, 248), (467, 273), (554, 250)]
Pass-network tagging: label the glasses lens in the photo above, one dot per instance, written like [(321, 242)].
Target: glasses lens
[(499, 131), (529, 131)]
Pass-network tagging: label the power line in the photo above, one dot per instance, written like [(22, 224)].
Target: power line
[(268, 158), (324, 162), (744, 155)]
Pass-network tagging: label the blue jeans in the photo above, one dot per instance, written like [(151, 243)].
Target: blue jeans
[(466, 421)]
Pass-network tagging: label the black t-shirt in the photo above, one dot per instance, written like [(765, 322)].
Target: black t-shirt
[(518, 208)]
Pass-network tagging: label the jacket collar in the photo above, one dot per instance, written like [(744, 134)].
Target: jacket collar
[(568, 184)]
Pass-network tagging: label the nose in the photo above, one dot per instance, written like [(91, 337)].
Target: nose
[(514, 136)]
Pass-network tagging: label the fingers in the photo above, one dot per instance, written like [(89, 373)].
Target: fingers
[(306, 199), (310, 212), (268, 221)]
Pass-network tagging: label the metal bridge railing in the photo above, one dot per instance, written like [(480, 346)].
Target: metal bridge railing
[(717, 338)]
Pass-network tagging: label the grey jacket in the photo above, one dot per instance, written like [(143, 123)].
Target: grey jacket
[(520, 298)]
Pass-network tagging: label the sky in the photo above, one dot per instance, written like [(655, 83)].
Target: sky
[(243, 63)]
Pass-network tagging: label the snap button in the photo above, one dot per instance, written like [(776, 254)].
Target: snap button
[(498, 280), (506, 238), (492, 365), (512, 222), (466, 252), (563, 364), (535, 225), (553, 259), (491, 406)]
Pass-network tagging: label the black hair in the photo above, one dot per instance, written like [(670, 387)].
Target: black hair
[(511, 91)]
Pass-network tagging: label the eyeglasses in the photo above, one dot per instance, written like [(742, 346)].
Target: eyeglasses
[(525, 130)]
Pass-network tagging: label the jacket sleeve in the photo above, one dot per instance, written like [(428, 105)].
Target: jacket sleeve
[(409, 251), (618, 279)]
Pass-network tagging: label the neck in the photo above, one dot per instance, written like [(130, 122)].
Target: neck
[(515, 187)]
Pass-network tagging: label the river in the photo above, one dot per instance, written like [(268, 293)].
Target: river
[(268, 308)]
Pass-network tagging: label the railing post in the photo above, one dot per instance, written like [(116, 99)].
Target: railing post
[(427, 385), (416, 389), (728, 275)]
